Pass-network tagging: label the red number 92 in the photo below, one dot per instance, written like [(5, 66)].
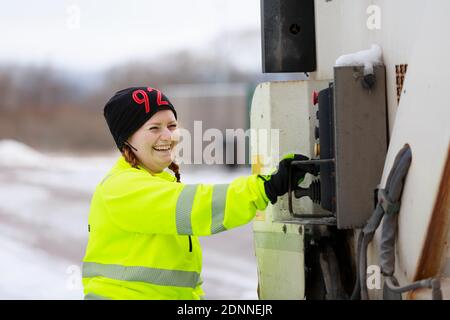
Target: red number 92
[(141, 97)]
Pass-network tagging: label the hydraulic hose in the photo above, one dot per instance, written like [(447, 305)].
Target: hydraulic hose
[(387, 210)]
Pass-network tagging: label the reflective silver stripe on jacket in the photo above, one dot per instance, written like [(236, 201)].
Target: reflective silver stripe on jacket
[(218, 207), (162, 277), (93, 296), (184, 209)]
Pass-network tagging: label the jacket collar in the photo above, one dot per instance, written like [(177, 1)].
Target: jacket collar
[(122, 164)]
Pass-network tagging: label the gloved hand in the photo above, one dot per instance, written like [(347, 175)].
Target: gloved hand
[(277, 183)]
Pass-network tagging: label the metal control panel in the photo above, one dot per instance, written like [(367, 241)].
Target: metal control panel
[(350, 149), (360, 142)]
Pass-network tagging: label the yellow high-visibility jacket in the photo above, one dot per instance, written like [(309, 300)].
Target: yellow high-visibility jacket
[(143, 231)]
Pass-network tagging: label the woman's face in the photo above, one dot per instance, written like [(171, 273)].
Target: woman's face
[(155, 141)]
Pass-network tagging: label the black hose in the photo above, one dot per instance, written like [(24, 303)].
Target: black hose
[(387, 244), (387, 210), (356, 294), (434, 284), (368, 234)]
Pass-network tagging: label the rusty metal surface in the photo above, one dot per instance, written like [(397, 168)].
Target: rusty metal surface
[(400, 74), (433, 261)]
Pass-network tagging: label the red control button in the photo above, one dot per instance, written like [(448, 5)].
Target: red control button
[(315, 97)]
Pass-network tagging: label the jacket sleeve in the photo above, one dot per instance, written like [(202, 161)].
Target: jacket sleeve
[(142, 204)]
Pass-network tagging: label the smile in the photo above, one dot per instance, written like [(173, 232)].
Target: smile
[(162, 148)]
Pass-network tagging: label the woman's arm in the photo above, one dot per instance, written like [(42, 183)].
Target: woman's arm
[(136, 202)]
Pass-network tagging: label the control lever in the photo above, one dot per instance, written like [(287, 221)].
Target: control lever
[(313, 191)]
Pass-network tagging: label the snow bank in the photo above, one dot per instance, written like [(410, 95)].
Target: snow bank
[(14, 153), (44, 206), (18, 155), (27, 272), (367, 58)]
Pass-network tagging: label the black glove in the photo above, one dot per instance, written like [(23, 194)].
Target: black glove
[(277, 184)]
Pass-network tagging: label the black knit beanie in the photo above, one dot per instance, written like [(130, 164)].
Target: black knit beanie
[(130, 108)]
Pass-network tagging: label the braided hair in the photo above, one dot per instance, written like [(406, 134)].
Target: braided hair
[(130, 157)]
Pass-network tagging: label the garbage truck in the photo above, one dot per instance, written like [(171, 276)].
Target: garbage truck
[(372, 113)]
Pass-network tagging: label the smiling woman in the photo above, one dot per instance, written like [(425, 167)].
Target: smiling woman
[(144, 223), (154, 143)]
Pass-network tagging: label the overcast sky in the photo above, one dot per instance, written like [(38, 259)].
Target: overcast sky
[(95, 34)]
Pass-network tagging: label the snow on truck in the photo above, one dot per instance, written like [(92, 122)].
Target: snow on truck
[(374, 116)]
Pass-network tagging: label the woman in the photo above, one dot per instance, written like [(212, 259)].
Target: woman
[(144, 223)]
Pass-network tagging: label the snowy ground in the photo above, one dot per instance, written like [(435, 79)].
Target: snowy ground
[(44, 205)]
